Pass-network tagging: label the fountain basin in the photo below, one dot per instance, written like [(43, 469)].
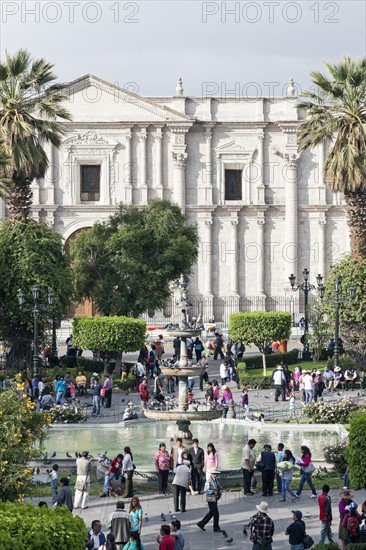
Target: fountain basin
[(185, 332), (183, 371), (179, 414)]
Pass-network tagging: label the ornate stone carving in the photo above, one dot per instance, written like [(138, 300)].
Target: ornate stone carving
[(179, 159), (261, 221), (179, 139), (234, 222), (88, 138), (208, 223)]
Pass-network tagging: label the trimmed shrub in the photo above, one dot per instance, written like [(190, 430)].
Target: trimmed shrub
[(357, 546), (356, 450), (128, 384), (330, 546), (28, 527), (256, 361), (109, 334), (255, 382)]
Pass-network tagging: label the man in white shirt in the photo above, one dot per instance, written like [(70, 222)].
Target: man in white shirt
[(223, 373), (279, 382), (180, 483), (247, 465), (308, 386)]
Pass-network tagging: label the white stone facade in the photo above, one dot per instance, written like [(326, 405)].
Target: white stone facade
[(178, 148)]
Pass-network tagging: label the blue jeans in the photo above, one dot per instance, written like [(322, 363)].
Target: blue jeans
[(307, 478), (285, 487), (60, 397), (96, 404), (107, 479), (309, 396), (257, 546), (297, 546), (326, 532)]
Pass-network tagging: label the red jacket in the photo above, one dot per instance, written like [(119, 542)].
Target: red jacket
[(325, 507), (167, 543)]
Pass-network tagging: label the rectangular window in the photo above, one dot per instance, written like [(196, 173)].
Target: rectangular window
[(233, 185), (90, 182)]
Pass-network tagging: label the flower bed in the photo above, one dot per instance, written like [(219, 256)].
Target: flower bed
[(67, 414), (333, 413)]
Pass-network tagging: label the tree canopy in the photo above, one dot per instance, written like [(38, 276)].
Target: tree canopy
[(336, 113), (109, 334), (126, 265), (30, 254), (30, 113), (260, 328)]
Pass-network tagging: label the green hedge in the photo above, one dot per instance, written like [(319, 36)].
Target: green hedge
[(109, 334), (330, 546), (356, 546), (128, 384), (255, 362), (28, 527), (255, 382)]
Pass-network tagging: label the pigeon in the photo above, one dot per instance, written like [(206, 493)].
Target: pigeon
[(68, 455), (53, 454), (325, 470), (45, 456), (266, 397), (275, 420), (37, 471), (224, 533), (230, 540), (162, 517), (245, 532), (122, 400)]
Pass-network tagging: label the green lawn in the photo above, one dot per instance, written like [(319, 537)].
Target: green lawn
[(306, 365)]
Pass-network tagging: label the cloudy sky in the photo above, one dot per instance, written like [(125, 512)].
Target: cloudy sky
[(152, 43)]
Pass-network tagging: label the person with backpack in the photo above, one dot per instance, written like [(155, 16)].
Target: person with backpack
[(296, 531), (351, 522), (325, 515), (344, 503)]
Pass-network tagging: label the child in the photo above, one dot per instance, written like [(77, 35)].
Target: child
[(54, 482), (245, 402), (351, 522), (72, 390), (190, 396), (216, 391), (292, 406)]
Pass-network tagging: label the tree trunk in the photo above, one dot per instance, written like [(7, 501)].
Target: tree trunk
[(356, 210), (20, 200), (264, 364)]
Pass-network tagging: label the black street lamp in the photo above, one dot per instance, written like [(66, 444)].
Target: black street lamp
[(36, 308), (337, 300), (306, 287)]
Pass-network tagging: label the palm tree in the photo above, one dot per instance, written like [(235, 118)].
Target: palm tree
[(337, 113), (5, 181), (30, 109)]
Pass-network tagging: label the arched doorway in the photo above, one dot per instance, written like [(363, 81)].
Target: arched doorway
[(86, 308)]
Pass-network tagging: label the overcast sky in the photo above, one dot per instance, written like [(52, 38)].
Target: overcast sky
[(153, 43)]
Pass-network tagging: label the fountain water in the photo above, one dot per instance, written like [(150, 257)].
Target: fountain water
[(184, 413)]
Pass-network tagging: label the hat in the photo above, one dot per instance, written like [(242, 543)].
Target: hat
[(352, 506), (297, 513), (85, 453), (305, 372), (214, 471), (337, 369), (95, 374), (346, 494), (317, 372), (262, 507), (186, 462), (130, 403), (279, 367)]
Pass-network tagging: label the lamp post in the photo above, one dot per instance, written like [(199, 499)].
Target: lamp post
[(306, 287), (36, 309), (292, 308), (337, 300)]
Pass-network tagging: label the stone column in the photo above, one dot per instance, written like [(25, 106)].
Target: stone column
[(207, 184), (179, 160), (260, 171), (142, 173), (261, 258), (128, 169), (290, 250), (234, 271), (321, 237), (207, 257), (322, 188), (158, 184), (49, 177)]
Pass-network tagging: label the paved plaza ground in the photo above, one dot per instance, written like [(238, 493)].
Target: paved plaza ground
[(235, 509)]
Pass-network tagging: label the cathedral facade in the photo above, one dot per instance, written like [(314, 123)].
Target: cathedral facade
[(232, 164)]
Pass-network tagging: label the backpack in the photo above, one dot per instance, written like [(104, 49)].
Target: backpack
[(353, 528)]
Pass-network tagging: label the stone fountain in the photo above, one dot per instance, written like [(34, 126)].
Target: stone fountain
[(184, 413)]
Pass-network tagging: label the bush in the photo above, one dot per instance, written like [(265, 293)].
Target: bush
[(109, 334), (89, 365), (31, 528), (255, 362), (357, 546), (344, 362), (255, 382), (330, 546), (335, 455), (356, 450), (128, 384), (332, 413), (67, 414)]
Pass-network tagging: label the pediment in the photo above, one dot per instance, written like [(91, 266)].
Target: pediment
[(95, 100), (90, 138), (232, 147)]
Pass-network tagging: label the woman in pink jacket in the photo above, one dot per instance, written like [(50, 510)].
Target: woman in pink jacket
[(211, 460), (307, 468)]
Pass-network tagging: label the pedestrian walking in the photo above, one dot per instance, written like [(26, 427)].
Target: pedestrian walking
[(165, 539), (108, 386), (213, 495), (177, 534), (268, 460), (279, 383), (285, 469), (219, 342), (64, 497), (136, 514), (261, 528), (279, 458), (325, 515), (245, 402), (343, 505), (121, 524), (198, 349), (307, 468), (54, 482)]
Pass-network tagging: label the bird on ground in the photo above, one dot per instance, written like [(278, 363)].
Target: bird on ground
[(68, 455), (224, 533), (266, 397), (45, 456), (122, 400), (230, 540), (245, 532), (275, 420), (53, 454), (162, 517), (325, 470), (37, 471)]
